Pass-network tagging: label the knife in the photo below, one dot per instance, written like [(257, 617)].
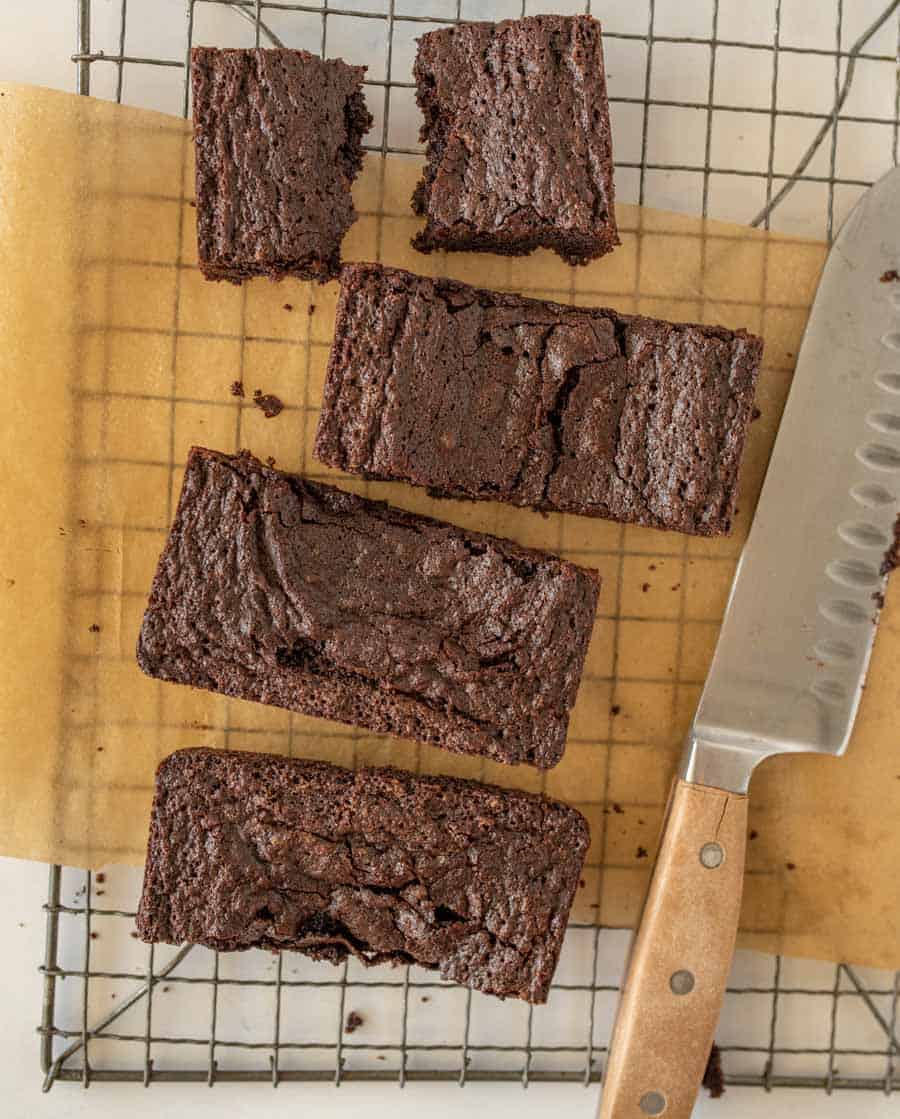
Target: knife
[(790, 663)]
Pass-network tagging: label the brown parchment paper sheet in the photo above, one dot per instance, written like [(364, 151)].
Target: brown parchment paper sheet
[(117, 356)]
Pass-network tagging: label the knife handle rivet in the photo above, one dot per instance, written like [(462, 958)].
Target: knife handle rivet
[(681, 982), (652, 1103), (712, 855)]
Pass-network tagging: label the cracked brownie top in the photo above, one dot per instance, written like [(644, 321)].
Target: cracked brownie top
[(278, 140), (489, 395), (518, 144), (249, 850), (275, 588)]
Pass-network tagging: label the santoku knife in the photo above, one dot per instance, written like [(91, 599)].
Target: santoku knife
[(790, 663)]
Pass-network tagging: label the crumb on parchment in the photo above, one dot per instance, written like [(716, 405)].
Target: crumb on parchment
[(269, 404)]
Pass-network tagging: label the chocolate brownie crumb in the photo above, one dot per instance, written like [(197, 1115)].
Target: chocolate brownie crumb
[(269, 404), (891, 558), (713, 1077)]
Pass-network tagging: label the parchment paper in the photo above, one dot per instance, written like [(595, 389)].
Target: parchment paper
[(117, 356)]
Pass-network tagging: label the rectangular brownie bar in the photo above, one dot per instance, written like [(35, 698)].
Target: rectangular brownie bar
[(517, 138), (276, 589), (484, 395), (249, 850), (278, 139)]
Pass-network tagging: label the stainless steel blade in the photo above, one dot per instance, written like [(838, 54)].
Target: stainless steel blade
[(795, 643)]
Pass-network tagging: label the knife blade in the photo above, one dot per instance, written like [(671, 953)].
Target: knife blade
[(791, 659)]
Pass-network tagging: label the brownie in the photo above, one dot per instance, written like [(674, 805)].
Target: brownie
[(276, 589), (250, 850), (518, 145), (278, 137), (485, 395)]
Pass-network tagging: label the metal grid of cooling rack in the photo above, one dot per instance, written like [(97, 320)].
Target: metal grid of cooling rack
[(133, 1036)]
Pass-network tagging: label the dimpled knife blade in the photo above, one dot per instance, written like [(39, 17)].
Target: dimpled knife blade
[(792, 655)]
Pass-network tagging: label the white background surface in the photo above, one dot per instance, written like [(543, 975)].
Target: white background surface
[(21, 945), (36, 39)]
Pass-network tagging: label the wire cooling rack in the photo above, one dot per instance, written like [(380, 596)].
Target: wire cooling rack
[(767, 113)]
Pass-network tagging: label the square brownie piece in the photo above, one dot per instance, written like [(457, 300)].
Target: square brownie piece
[(517, 138), (250, 850), (491, 396), (277, 589), (278, 140)]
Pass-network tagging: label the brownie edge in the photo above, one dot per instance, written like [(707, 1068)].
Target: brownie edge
[(251, 850), (278, 143)]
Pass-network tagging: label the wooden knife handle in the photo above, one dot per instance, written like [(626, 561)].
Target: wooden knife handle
[(680, 958)]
